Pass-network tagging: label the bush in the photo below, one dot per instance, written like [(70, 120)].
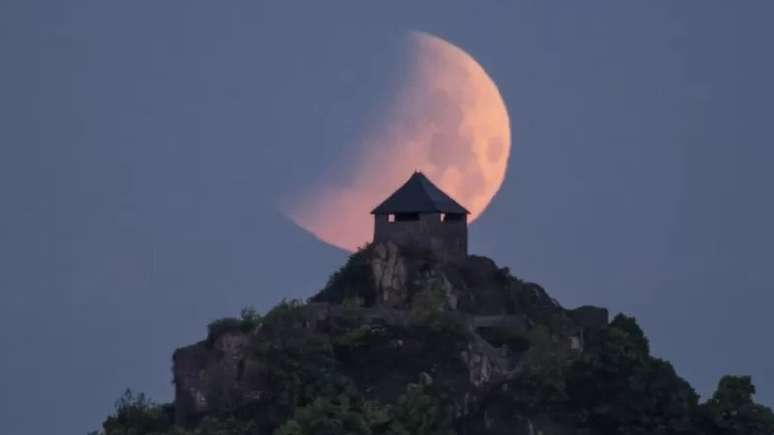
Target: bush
[(620, 388), (227, 426), (327, 416), (247, 322), (416, 412), (427, 303), (732, 411), (138, 415), (217, 328), (297, 361), (354, 281)]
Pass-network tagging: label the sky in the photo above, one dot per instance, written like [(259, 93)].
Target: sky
[(146, 148)]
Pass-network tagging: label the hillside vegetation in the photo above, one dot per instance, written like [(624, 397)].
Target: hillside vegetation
[(400, 343)]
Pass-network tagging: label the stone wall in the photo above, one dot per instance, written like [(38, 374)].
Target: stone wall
[(447, 239)]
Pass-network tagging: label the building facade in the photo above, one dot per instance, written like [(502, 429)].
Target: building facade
[(421, 215)]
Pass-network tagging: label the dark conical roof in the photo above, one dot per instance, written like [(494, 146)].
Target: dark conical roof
[(419, 195)]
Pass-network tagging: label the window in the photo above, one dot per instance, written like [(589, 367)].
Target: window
[(452, 217), (404, 217)]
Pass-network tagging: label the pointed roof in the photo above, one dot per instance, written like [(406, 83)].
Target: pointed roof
[(419, 195)]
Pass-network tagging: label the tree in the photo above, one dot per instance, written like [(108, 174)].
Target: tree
[(418, 412), (732, 410), (619, 388)]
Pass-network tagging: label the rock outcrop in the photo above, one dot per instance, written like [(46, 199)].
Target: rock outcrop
[(386, 320), (402, 342)]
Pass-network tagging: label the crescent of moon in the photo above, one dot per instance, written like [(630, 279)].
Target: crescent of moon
[(448, 120)]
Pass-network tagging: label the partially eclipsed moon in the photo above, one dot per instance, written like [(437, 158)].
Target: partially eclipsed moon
[(448, 121)]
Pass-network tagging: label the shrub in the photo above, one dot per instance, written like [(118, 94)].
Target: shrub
[(327, 416), (138, 415), (731, 410), (247, 322), (426, 303), (353, 281), (297, 360), (418, 412), (217, 328), (620, 388)]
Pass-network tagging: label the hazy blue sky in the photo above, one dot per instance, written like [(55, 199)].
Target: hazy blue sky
[(145, 145)]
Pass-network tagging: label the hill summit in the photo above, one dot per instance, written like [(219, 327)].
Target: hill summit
[(403, 342)]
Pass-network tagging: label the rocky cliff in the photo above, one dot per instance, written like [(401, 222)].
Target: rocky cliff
[(395, 318)]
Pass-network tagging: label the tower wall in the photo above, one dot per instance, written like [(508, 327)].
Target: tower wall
[(447, 239)]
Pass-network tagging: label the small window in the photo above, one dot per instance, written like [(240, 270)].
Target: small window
[(390, 218), (452, 217), (404, 217)]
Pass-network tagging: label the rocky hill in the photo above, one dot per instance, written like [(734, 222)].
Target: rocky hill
[(400, 342)]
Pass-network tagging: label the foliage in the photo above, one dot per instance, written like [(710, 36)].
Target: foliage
[(426, 303), (138, 415), (355, 338), (248, 321), (542, 388), (217, 328), (620, 388), (446, 326), (544, 350), (732, 411), (327, 416), (416, 412), (298, 361), (354, 281), (342, 369), (226, 426), (428, 312)]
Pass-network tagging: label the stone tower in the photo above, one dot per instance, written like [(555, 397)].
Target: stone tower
[(420, 214)]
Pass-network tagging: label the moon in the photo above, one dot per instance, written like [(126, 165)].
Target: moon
[(447, 119)]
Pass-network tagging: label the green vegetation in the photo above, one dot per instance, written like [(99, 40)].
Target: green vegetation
[(247, 322), (137, 415), (352, 367), (351, 282), (731, 410), (619, 387), (615, 387), (415, 413)]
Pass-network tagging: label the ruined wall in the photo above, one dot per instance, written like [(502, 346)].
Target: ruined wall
[(447, 239)]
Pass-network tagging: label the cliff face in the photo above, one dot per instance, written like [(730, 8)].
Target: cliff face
[(466, 332)]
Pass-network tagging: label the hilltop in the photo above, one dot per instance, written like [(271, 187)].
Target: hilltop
[(402, 342)]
